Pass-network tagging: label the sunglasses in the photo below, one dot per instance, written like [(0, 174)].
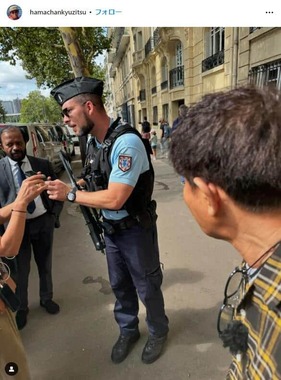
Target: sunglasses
[(66, 111), (14, 11)]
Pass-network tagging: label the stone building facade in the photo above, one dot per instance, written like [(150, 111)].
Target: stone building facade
[(152, 71)]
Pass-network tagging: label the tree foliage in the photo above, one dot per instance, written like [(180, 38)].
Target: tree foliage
[(38, 108), (43, 54), (2, 113)]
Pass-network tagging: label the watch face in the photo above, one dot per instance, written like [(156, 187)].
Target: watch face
[(71, 197)]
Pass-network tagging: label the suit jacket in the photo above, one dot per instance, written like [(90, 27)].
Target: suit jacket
[(8, 190)]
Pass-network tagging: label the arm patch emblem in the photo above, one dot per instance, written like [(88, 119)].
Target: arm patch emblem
[(124, 163)]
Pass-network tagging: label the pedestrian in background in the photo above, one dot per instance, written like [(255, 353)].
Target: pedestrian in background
[(183, 109), (124, 195), (165, 137), (11, 347), (229, 151), (153, 143), (42, 217), (145, 130)]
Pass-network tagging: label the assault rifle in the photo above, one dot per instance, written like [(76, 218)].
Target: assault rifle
[(90, 214)]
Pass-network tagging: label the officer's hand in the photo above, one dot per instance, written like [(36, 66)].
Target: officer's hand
[(57, 190)]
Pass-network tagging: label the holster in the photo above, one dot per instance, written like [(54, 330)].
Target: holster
[(148, 218)]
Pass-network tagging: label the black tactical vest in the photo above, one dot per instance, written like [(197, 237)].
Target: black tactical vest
[(140, 199)]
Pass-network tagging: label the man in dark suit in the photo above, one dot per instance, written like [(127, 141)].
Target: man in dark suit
[(42, 218)]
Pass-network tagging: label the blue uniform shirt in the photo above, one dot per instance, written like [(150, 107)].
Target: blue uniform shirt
[(128, 160)]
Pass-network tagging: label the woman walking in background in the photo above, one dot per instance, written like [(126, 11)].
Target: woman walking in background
[(153, 143)]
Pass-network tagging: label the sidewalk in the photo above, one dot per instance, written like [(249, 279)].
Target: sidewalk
[(76, 344)]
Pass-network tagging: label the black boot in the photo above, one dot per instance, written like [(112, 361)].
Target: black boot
[(122, 347), (153, 348)]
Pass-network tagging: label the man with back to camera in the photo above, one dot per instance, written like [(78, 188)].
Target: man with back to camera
[(233, 189), (41, 220), (123, 180)]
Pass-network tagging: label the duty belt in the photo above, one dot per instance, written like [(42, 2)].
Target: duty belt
[(112, 226)]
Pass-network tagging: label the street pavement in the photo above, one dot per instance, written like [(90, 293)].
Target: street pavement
[(76, 344)]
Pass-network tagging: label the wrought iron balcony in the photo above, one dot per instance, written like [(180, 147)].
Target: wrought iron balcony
[(142, 96), (149, 46), (254, 28), (176, 77), (266, 74), (164, 85), (213, 61), (152, 42), (156, 36)]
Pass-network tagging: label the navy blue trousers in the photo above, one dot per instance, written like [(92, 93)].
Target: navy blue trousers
[(134, 270)]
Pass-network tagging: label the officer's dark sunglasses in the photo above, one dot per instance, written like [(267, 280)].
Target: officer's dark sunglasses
[(16, 11), (66, 111), (233, 293)]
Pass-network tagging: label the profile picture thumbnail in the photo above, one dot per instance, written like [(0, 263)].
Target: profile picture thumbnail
[(14, 12)]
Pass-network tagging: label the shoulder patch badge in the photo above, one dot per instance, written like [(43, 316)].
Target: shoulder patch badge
[(124, 163)]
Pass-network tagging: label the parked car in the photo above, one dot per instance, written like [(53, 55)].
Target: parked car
[(65, 138), (75, 138), (40, 143)]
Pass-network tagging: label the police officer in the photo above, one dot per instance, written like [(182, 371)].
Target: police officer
[(124, 178)]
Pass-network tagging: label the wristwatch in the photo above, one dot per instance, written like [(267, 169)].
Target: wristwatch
[(71, 196)]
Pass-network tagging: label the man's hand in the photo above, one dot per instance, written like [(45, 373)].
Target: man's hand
[(57, 190), (31, 188)]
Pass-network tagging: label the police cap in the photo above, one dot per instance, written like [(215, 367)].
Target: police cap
[(77, 86)]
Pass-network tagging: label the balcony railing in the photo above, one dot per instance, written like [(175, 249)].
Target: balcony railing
[(149, 46), (268, 74), (254, 28), (152, 42), (176, 77), (142, 96), (164, 85), (213, 61), (156, 37)]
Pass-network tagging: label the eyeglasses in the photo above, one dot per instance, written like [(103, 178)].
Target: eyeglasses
[(16, 11), (233, 293), (235, 290), (66, 111)]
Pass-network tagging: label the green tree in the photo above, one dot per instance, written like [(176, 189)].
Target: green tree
[(2, 113), (52, 55), (43, 51), (38, 108)]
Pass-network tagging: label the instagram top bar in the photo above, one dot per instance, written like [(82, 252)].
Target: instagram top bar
[(90, 13)]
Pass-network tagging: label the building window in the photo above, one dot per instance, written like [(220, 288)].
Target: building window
[(215, 48), (179, 54), (155, 115), (216, 40), (165, 111), (268, 74), (164, 74)]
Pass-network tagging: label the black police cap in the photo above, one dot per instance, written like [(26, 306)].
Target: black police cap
[(77, 86)]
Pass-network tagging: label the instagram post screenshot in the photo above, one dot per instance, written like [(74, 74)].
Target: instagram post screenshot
[(140, 190)]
